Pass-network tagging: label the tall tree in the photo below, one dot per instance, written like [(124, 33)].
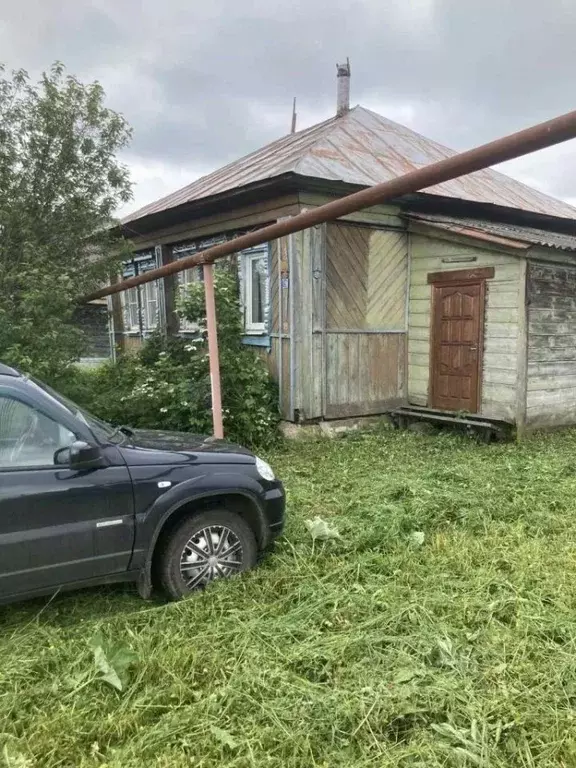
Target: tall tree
[(60, 183)]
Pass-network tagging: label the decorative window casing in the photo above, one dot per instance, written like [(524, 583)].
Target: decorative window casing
[(255, 289), (141, 304), (131, 305)]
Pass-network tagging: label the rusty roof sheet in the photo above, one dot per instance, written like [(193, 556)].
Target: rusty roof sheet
[(507, 234), (362, 148)]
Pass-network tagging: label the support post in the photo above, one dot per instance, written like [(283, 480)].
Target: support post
[(213, 350)]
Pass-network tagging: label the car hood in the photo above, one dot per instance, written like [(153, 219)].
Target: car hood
[(159, 440)]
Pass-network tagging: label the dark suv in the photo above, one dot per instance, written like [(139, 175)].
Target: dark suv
[(83, 503)]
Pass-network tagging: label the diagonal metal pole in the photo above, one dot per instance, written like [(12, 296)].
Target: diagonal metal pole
[(544, 135), (516, 145)]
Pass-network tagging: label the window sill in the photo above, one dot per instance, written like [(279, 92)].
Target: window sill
[(253, 340)]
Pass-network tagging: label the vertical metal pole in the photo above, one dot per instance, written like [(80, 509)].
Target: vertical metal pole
[(213, 350), (280, 366), (292, 283)]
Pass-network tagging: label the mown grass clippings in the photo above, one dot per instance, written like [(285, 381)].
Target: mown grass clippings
[(438, 629)]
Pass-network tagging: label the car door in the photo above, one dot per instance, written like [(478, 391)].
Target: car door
[(57, 525)]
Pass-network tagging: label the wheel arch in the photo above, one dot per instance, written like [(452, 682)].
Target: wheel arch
[(240, 502)]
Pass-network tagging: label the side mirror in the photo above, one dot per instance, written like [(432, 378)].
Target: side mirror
[(80, 455)]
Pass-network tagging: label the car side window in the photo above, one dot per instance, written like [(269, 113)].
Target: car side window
[(29, 438)]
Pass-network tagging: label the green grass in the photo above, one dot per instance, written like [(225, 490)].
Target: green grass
[(374, 650)]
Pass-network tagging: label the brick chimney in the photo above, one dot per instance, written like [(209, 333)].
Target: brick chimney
[(343, 80)]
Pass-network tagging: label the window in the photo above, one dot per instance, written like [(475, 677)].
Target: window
[(29, 438), (149, 305), (131, 310), (255, 289), (186, 278), (140, 304)]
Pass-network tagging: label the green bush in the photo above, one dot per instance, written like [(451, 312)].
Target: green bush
[(166, 385)]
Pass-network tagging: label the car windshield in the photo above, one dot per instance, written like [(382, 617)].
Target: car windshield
[(101, 429)]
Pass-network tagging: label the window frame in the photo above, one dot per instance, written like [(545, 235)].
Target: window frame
[(15, 396), (137, 301), (131, 309), (252, 328)]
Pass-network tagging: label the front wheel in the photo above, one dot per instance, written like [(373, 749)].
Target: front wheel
[(212, 545)]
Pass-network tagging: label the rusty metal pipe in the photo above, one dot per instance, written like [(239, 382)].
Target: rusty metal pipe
[(516, 145), (218, 428)]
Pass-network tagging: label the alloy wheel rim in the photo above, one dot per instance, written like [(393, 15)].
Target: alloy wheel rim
[(212, 553)]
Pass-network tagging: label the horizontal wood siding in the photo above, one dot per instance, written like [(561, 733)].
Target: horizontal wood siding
[(551, 379), (504, 300)]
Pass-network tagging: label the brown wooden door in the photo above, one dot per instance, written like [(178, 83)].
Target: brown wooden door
[(456, 353)]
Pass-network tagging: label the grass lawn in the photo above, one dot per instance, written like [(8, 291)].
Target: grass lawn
[(440, 630)]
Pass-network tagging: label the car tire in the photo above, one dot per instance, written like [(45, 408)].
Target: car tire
[(202, 548)]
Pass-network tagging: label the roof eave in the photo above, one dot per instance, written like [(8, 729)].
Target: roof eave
[(291, 182), (423, 202)]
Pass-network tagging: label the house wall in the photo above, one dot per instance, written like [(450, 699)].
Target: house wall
[(92, 319), (350, 331), (551, 370), (277, 354), (503, 327)]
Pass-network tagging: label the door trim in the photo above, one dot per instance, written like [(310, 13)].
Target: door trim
[(451, 283), (461, 275)]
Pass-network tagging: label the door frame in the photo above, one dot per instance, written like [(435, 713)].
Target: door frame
[(448, 279)]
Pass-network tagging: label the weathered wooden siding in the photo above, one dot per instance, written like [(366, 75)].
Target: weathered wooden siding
[(92, 319), (364, 373), (362, 332), (249, 217), (366, 277), (502, 339), (551, 375), (278, 363)]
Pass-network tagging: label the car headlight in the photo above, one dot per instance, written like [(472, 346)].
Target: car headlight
[(264, 470)]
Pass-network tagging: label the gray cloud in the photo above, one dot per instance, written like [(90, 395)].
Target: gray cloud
[(203, 83)]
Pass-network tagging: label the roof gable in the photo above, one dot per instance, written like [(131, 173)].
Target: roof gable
[(360, 148)]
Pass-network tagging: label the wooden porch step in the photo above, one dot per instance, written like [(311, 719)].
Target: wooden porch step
[(405, 414)]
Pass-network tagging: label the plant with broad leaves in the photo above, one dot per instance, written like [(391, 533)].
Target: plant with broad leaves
[(320, 530), (112, 661)]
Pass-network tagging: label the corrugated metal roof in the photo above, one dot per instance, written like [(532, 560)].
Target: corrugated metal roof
[(362, 148), (508, 234)]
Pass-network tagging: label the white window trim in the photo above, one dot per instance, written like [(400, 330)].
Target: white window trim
[(130, 299), (142, 301), (248, 257), (150, 299)]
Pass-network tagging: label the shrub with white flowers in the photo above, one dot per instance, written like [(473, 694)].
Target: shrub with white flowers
[(166, 385)]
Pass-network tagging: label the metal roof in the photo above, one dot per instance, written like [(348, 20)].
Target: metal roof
[(508, 234), (363, 148)]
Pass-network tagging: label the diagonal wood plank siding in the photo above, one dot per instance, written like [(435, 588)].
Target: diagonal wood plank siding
[(366, 278), (366, 285), (387, 280)]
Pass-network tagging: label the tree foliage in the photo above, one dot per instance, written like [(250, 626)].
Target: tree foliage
[(60, 183)]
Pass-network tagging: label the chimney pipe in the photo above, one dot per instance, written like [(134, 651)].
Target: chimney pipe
[(343, 80)]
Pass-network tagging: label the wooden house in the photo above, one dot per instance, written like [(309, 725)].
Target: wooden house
[(461, 298)]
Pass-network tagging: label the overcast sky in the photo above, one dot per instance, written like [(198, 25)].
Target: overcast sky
[(203, 82)]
